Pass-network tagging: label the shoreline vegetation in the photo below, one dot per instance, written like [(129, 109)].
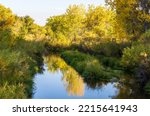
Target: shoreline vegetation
[(100, 43)]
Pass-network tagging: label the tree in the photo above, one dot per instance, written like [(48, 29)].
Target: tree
[(132, 15), (6, 17), (27, 24), (100, 21), (66, 29), (57, 30), (75, 15), (7, 20), (145, 6), (57, 24)]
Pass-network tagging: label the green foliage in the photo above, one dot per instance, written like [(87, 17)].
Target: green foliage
[(19, 55), (77, 26), (9, 60), (112, 62), (73, 82), (56, 30), (145, 37), (147, 88), (132, 15), (100, 21), (15, 69), (15, 91), (17, 66), (136, 59), (75, 15), (66, 29), (98, 30), (29, 30), (132, 57), (88, 66), (6, 17), (108, 49)]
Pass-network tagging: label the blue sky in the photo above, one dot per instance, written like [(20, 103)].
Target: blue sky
[(40, 10)]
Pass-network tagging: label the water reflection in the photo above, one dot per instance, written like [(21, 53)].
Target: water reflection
[(72, 81), (59, 80), (129, 88)]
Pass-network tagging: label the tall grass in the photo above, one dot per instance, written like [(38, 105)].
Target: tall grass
[(18, 64), (88, 66)]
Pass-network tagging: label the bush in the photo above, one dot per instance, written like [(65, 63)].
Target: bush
[(19, 56), (93, 69), (137, 60), (108, 49), (145, 37), (88, 66), (134, 56), (112, 62), (15, 68), (15, 91), (18, 64)]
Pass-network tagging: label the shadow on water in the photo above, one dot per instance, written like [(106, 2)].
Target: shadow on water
[(60, 81)]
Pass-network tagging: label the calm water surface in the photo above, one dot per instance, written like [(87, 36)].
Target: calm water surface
[(60, 81)]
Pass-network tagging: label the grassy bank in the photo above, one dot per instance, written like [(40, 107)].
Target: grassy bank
[(89, 66), (18, 64)]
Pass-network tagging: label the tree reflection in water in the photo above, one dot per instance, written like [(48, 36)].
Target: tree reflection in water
[(75, 85), (73, 82)]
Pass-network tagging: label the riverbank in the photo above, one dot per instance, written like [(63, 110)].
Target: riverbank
[(59, 80), (18, 66)]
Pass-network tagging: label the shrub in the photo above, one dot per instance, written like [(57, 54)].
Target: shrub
[(145, 37), (13, 91), (134, 56), (112, 62), (18, 65), (108, 49), (88, 66)]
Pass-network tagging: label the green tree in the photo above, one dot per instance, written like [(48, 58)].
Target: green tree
[(75, 15), (132, 15), (6, 17), (66, 29), (100, 21)]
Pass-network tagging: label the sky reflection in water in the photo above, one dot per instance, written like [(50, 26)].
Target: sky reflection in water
[(60, 81)]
